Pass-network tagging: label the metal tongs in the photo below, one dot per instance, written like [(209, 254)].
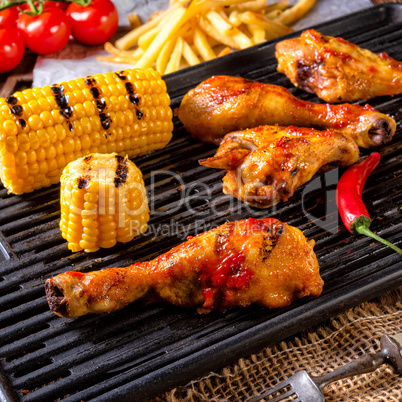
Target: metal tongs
[(303, 387)]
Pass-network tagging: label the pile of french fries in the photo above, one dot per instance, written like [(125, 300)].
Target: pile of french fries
[(192, 31)]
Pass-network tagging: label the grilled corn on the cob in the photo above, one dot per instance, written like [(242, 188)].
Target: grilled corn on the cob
[(43, 129), (103, 201)]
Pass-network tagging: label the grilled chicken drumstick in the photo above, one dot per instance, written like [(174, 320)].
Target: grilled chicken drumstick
[(337, 70), (266, 164), (259, 261), (223, 104)]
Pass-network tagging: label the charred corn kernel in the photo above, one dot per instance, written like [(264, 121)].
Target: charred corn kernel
[(127, 112), (103, 201)]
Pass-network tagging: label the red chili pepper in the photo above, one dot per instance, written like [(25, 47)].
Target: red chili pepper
[(349, 192)]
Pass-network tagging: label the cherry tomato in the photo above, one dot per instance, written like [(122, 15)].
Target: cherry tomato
[(93, 24), (11, 48), (9, 16), (55, 4), (46, 4), (45, 33)]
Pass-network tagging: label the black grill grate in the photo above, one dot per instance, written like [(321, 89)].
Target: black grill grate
[(147, 348)]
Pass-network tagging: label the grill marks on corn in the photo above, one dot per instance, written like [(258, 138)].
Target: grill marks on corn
[(121, 171), (87, 159), (132, 96), (35, 123), (95, 92), (62, 100), (15, 108), (100, 102), (120, 176), (12, 100), (84, 180)]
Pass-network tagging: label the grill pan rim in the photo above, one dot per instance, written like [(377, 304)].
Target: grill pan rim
[(350, 295)]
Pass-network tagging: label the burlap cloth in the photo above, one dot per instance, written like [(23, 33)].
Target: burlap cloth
[(319, 350)]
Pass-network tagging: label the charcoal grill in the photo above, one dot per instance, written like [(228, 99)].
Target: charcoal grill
[(145, 349)]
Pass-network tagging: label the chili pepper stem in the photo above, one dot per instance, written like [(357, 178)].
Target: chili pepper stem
[(362, 227)]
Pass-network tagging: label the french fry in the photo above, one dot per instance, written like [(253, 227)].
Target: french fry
[(238, 40), (212, 42), (162, 38), (117, 59), (273, 27), (257, 32), (293, 14), (189, 54), (234, 18), (202, 45), (130, 39), (220, 23), (113, 50), (126, 56), (134, 20), (273, 14), (145, 40), (254, 5), (223, 3), (191, 31), (280, 5), (224, 52), (172, 25), (164, 55), (175, 58), (155, 14), (242, 40), (212, 32)]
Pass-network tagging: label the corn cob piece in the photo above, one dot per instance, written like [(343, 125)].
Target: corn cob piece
[(103, 201), (43, 129)]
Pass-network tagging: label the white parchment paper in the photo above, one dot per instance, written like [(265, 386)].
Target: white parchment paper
[(77, 61)]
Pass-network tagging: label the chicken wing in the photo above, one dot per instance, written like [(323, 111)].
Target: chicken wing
[(337, 70), (259, 261), (223, 104), (266, 164)]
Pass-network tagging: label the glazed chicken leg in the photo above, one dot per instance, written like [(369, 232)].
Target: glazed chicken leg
[(223, 104), (337, 70), (252, 261), (266, 164)]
